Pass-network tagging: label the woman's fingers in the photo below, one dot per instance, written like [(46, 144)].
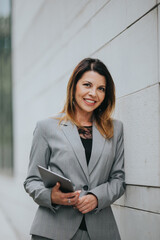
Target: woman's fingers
[(80, 202), (57, 186), (72, 201), (87, 203), (84, 204), (61, 198), (72, 194)]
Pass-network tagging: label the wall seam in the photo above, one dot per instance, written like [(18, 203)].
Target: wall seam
[(137, 91), (153, 8), (138, 209), (143, 186)]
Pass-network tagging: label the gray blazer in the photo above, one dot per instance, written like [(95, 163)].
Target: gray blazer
[(60, 148)]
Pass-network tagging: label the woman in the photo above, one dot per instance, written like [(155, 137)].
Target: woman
[(84, 144)]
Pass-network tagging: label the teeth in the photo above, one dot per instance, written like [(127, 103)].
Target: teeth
[(90, 101)]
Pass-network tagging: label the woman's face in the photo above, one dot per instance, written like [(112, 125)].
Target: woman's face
[(90, 92)]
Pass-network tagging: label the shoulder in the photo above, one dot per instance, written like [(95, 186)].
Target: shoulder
[(50, 121), (45, 123), (118, 127), (46, 126), (117, 123)]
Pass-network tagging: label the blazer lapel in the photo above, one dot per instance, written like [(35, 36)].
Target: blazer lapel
[(98, 142), (71, 133)]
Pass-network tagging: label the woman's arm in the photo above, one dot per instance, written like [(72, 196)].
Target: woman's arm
[(114, 188), (105, 194), (40, 155)]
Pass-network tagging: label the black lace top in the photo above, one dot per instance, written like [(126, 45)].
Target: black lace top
[(85, 132), (86, 138)]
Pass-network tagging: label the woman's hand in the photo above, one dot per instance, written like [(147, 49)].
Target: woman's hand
[(87, 203), (58, 197)]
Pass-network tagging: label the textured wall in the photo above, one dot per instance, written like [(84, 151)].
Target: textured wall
[(49, 39)]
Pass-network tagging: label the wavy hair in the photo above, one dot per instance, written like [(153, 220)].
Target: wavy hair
[(102, 114)]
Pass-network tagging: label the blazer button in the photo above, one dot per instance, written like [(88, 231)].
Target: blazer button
[(85, 187)]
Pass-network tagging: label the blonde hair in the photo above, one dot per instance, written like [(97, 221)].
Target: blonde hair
[(102, 114)]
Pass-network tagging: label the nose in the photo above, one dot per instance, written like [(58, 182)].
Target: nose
[(92, 92)]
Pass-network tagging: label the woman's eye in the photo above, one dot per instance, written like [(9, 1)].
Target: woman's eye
[(102, 89), (87, 84)]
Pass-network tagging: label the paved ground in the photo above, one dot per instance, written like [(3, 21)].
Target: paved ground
[(17, 210), (7, 229)]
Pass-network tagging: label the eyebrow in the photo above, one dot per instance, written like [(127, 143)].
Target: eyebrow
[(102, 85)]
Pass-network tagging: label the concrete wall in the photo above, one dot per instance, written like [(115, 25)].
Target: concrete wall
[(49, 39)]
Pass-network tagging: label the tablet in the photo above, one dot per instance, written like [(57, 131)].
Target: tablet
[(51, 178)]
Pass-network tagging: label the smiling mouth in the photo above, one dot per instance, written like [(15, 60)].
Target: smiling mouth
[(89, 101)]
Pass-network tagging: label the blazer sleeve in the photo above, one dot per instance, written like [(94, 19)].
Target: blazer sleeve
[(39, 155), (114, 188)]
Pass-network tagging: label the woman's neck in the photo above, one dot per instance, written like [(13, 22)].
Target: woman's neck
[(84, 119)]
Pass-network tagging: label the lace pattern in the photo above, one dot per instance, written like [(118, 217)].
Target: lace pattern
[(85, 132)]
